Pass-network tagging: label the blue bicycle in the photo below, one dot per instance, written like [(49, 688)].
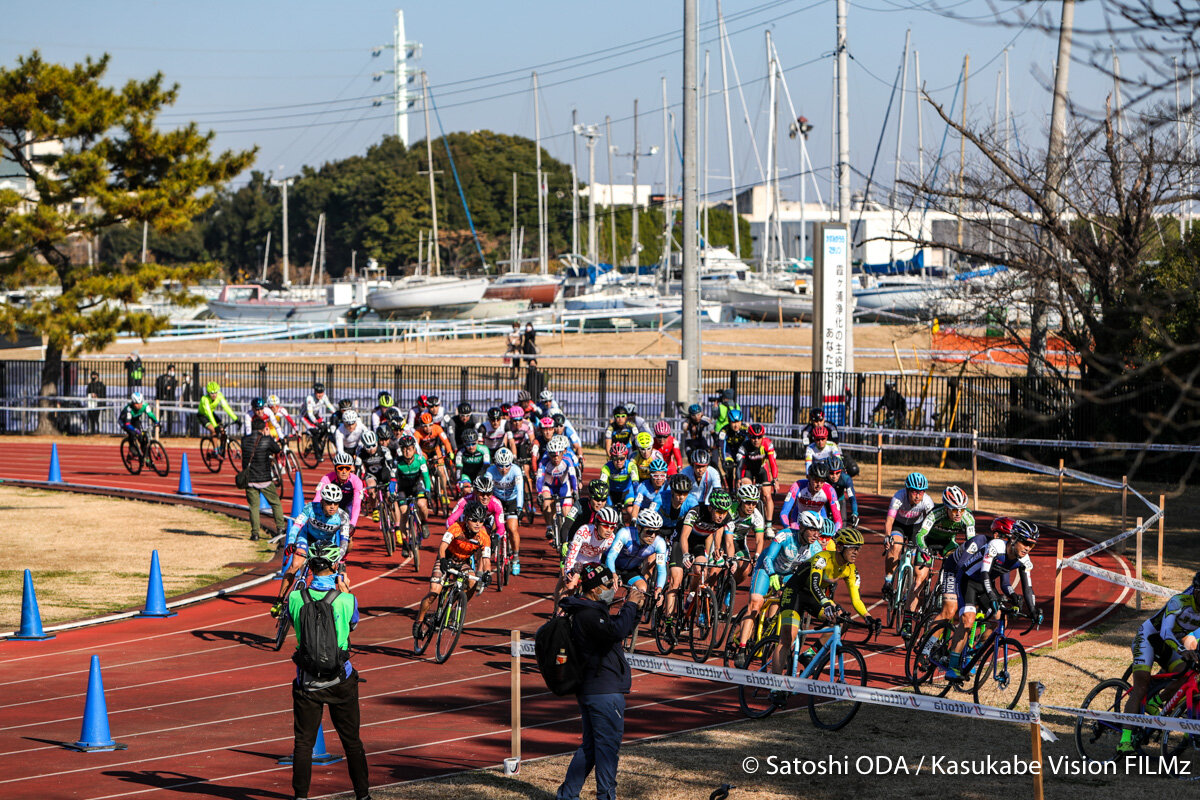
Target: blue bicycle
[(837, 661)]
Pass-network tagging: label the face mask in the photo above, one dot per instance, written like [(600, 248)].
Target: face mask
[(606, 596)]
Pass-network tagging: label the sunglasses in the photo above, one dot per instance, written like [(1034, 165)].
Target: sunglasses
[(343, 469)]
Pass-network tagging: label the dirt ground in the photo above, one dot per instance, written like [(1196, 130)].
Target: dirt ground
[(91, 555), (749, 346)]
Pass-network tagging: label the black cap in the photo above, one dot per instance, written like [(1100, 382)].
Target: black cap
[(593, 575)]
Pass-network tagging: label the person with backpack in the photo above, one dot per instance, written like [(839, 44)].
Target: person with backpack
[(581, 652), (324, 613)]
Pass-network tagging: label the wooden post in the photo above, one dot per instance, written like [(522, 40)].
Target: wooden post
[(1057, 595), (1137, 598), (562, 338), (1035, 744), (975, 469), (878, 463), (779, 304), (1060, 479), (1124, 500), (515, 698), (1162, 506)]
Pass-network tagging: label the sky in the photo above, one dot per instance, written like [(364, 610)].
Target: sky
[(295, 78)]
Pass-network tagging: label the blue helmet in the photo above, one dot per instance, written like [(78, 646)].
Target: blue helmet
[(694, 408), (916, 481), (735, 415)]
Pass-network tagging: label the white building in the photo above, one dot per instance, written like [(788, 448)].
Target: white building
[(618, 194)]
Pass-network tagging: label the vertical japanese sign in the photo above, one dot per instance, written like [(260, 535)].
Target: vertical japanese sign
[(831, 305)]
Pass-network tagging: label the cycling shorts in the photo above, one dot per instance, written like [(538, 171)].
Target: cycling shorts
[(948, 582), (796, 599), (1148, 647), (905, 530), (757, 474), (437, 575), (696, 549), (763, 582), (510, 508), (973, 597), (560, 488)]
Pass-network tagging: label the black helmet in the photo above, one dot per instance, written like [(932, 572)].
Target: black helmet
[(681, 483), (699, 456), (475, 512), (470, 437), (392, 414), (318, 387), (620, 411), (343, 404), (495, 414), (383, 433), (464, 408), (558, 419), (598, 490), (434, 400), (523, 396), (819, 469), (258, 404)]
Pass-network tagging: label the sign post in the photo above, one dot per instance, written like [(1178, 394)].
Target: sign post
[(832, 305)]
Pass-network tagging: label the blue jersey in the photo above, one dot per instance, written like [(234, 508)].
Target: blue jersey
[(703, 485), (510, 483), (314, 526), (672, 519), (648, 496), (625, 554), (786, 553)]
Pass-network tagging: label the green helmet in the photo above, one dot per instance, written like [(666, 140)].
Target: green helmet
[(327, 554), (720, 500), (212, 387)]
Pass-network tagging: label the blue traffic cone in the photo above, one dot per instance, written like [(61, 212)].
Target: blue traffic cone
[(95, 736), (185, 478), (55, 472), (263, 505), (31, 616), (321, 756), (297, 504), (156, 599)]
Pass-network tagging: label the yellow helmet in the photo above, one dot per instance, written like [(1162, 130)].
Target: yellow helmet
[(848, 537)]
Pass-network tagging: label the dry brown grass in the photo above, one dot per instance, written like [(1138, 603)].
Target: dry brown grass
[(91, 555)]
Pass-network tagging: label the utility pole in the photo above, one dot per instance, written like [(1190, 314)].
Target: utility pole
[(691, 283), (733, 193), (591, 133), (635, 244), (146, 234), (612, 202), (843, 167), (575, 185), (668, 216), (402, 51), (541, 204), (962, 146), (284, 184), (437, 264)]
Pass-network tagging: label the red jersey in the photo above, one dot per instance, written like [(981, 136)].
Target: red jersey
[(670, 453)]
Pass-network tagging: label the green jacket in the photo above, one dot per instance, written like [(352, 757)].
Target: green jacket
[(345, 617), (723, 416)]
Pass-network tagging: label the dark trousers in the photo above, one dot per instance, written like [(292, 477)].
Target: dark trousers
[(307, 708), (93, 421), (252, 501), (603, 727)]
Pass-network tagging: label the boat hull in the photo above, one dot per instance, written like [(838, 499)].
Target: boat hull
[(769, 305), (427, 299), (277, 312), (538, 294)]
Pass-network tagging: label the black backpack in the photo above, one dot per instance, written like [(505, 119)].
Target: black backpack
[(558, 658), (318, 653)]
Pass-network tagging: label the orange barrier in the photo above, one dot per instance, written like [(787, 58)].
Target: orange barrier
[(954, 347)]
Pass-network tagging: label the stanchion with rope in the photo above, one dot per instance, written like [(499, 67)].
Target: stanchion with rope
[(879, 463), (1162, 507), (1137, 598), (1035, 739), (1058, 571), (1058, 524), (975, 469), (512, 765), (1124, 501)]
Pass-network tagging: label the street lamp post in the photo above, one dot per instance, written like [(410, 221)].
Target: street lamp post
[(635, 244)]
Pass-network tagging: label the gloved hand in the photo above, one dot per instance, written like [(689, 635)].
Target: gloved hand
[(830, 612), (875, 624), (854, 520), (287, 551)]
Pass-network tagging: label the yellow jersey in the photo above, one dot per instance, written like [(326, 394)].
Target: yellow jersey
[(825, 569)]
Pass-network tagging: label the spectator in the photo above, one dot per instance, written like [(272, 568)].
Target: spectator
[(513, 347), (134, 371), (258, 449), (166, 387), (598, 639), (188, 394), (310, 694), (529, 345), (894, 404), (726, 402), (96, 390)]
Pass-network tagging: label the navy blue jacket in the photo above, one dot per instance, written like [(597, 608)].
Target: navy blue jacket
[(599, 638)]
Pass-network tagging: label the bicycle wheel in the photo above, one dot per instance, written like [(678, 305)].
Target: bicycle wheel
[(156, 454), (631, 639), (726, 596), (387, 527), (309, 454), (848, 667), (1095, 739), (756, 701), (450, 626), (421, 643), (291, 464), (931, 656), (1000, 679), (233, 451), (703, 625), (282, 628), (330, 447), (209, 455), (501, 562), (131, 457), (665, 634), (919, 629), (731, 636), (899, 604)]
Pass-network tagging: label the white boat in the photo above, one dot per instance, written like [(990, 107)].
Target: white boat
[(427, 295), (924, 297), (254, 303), (757, 300)]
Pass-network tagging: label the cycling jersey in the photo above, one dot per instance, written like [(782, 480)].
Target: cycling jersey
[(643, 462), (702, 485), (462, 546), (314, 526), (806, 437), (907, 515), (549, 409), (412, 477), (494, 507), (757, 460), (649, 495), (1179, 617), (670, 454), (347, 439), (459, 427), (730, 441), (746, 526), (639, 424), (437, 413), (378, 416), (586, 548), (811, 453), (801, 498), (806, 589), (433, 440), (268, 417), (210, 404), (697, 434), (493, 436), (704, 524), (352, 493), (560, 479), (628, 553), (787, 553), (378, 464), (509, 483), (981, 560), (524, 442), (673, 516), (130, 418), (844, 486), (572, 437), (582, 514), (621, 480), (282, 414), (315, 408), (472, 462), (941, 535), (623, 434)]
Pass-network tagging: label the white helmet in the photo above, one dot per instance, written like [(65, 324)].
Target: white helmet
[(137, 398), (350, 416), (557, 444), (649, 519), (369, 439), (546, 396), (608, 515), (331, 493), (503, 457), (343, 460), (810, 519)]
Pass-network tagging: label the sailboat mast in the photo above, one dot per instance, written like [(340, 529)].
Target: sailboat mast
[(514, 257), (737, 242), (437, 264), (899, 142), (920, 128), (772, 111), (612, 203), (537, 136), (634, 234), (574, 184), (843, 118), (705, 190), (668, 217)]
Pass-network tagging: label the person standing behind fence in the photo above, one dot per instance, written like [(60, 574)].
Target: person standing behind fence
[(96, 391), (166, 387), (598, 637), (188, 394), (512, 348), (894, 404), (134, 371), (258, 449)]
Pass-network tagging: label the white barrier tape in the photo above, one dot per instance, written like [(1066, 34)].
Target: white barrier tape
[(1121, 580), (1096, 548), (1180, 724)]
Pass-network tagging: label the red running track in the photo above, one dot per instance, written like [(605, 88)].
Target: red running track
[(204, 704)]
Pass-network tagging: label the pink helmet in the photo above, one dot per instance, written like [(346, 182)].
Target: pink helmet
[(662, 428), (546, 422), (619, 450), (516, 412)]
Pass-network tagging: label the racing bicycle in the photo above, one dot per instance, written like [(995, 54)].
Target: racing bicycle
[(137, 451)]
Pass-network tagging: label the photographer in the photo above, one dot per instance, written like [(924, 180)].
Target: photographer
[(598, 638)]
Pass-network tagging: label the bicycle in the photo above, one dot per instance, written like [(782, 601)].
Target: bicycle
[(1097, 739), (696, 619), (558, 522), (767, 623), (837, 661), (216, 447), (502, 558), (284, 466), (725, 591), (387, 526), (650, 609), (284, 623), (998, 662), (448, 618), (410, 532), (137, 451), (903, 580), (528, 511), (311, 443)]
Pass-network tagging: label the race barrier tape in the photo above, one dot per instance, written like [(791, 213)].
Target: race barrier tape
[(1107, 543), (1121, 580)]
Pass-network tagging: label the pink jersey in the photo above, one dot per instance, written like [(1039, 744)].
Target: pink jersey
[(493, 506), (353, 485), (586, 548), (801, 498)]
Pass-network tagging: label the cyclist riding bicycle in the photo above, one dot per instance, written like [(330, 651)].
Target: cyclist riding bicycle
[(664, 443), (471, 460), (981, 561), (584, 512), (349, 431), (422, 406), (510, 490), (483, 493), (412, 482), (384, 401), (493, 431), (317, 405), (821, 448), (816, 417), (588, 546), (373, 463), (622, 477), (704, 477), (729, 441), (697, 430), (675, 506), (131, 417), (906, 512), (941, 533), (563, 428), (748, 535), (434, 446), (619, 431), (547, 405), (275, 406), (636, 420), (343, 477), (523, 441), (653, 490), (258, 408), (339, 416), (556, 477), (322, 523), (463, 421), (754, 463), (843, 483), (462, 543), (813, 493), (636, 550), (210, 403), (643, 452), (699, 535)]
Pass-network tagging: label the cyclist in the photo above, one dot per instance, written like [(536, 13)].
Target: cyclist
[(1159, 639), (639, 424), (979, 564), (807, 592), (754, 463), (349, 432), (525, 403), (675, 506), (816, 417), (493, 431), (563, 428), (509, 489), (210, 403), (699, 534), (374, 465), (906, 512), (462, 422), (258, 408), (843, 484), (130, 419), (471, 460), (384, 401), (482, 492), (704, 478), (321, 523), (941, 533), (556, 477), (821, 448), (588, 546), (697, 430), (813, 493), (438, 411), (789, 549), (547, 405), (461, 543), (543, 432), (653, 490), (643, 451), (665, 444), (726, 402), (387, 439), (435, 446), (622, 477), (584, 513), (747, 536), (619, 431), (412, 482), (523, 441), (275, 406), (337, 418), (316, 406), (394, 419), (343, 477), (414, 414), (636, 550), (729, 441)]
